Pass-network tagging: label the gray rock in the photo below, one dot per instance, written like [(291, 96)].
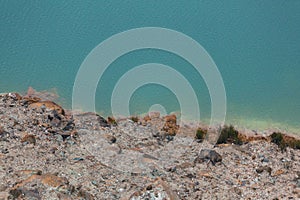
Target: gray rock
[(209, 155)]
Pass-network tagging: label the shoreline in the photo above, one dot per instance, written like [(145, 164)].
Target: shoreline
[(243, 125), (264, 129), (239, 122)]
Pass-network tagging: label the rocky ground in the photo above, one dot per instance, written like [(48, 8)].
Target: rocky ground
[(47, 152)]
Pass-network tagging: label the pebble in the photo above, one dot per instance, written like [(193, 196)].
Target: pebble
[(59, 138), (265, 160), (264, 168), (78, 159)]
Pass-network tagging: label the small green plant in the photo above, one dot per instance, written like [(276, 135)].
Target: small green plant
[(200, 134), (135, 119), (277, 138), (112, 121), (284, 142), (229, 135), (295, 144)]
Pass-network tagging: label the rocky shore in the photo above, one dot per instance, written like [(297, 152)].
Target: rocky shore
[(47, 152)]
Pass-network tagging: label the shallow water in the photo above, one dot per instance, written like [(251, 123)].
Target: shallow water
[(255, 45)]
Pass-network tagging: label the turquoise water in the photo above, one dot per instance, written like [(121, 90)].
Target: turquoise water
[(255, 44)]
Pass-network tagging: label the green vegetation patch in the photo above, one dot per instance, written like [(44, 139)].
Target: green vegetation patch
[(284, 142), (229, 135), (200, 134)]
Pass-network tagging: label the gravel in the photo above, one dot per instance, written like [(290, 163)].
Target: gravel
[(46, 154)]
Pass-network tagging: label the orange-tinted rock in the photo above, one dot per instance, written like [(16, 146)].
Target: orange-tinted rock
[(249, 138), (136, 149), (53, 181), (46, 179), (111, 121), (30, 100), (283, 140), (205, 173), (28, 172), (46, 125), (171, 118), (29, 138), (49, 105), (170, 125), (147, 118), (278, 172), (291, 141)]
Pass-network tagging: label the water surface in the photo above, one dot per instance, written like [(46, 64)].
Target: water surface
[(255, 44)]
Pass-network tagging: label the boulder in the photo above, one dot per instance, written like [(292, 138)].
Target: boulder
[(209, 155)]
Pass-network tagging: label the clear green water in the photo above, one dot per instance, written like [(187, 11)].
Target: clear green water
[(255, 44)]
